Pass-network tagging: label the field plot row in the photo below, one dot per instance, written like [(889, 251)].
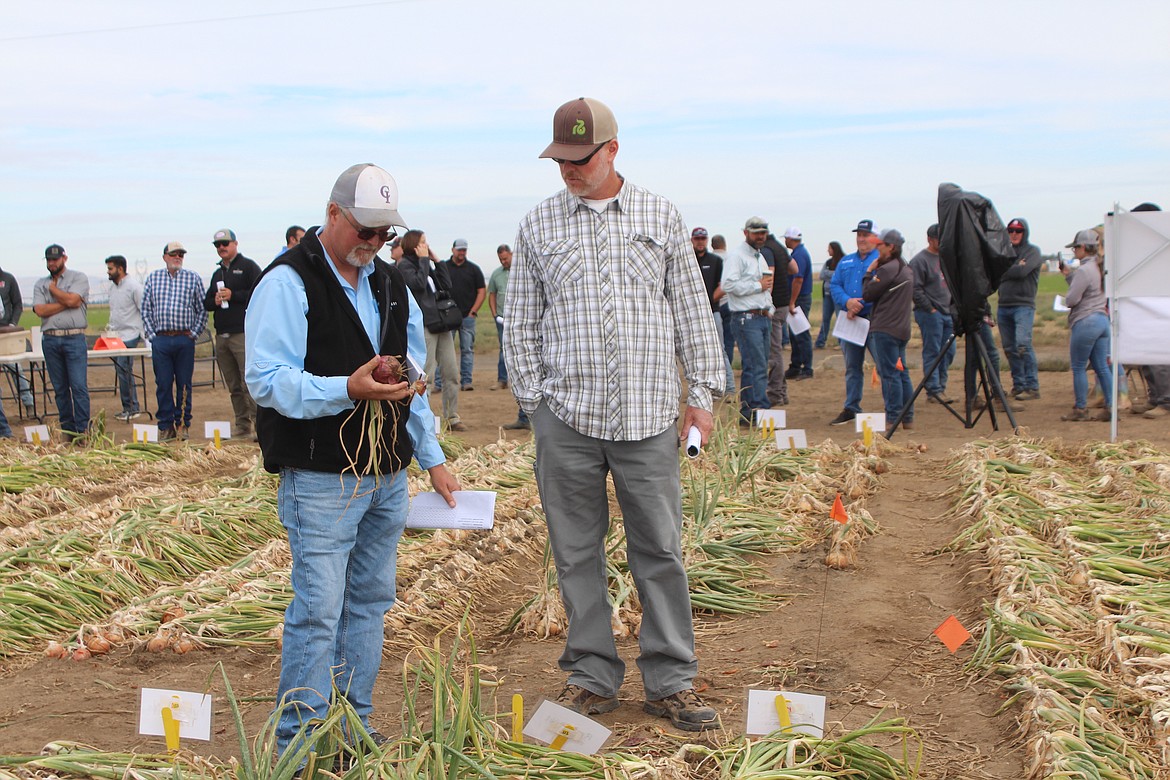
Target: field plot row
[(1078, 543)]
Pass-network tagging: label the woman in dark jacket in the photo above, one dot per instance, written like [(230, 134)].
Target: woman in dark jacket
[(827, 305), (889, 285), (425, 277)]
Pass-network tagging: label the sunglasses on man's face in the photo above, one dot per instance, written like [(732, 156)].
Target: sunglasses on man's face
[(384, 234), (220, 244), (1015, 230), (176, 254), (585, 161)]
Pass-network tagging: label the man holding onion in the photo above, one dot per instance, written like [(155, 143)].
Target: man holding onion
[(605, 295), (319, 320)]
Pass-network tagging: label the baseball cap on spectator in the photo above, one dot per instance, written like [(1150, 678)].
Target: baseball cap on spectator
[(175, 246), (460, 243), (865, 226), (932, 231), (579, 128), (223, 234), (699, 232), (793, 232), (54, 252), (893, 237), (1087, 237), (756, 225), (369, 194)]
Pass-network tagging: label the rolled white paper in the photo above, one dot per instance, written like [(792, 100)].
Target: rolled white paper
[(694, 442)]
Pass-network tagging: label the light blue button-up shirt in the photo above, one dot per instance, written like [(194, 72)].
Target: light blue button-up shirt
[(278, 331)]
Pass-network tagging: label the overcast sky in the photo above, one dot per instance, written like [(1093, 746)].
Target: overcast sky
[(124, 125)]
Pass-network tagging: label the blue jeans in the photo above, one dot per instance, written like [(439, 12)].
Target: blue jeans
[(67, 359), (5, 430), (466, 350), (729, 382), (174, 366), (854, 380), (22, 385), (501, 369), (936, 328), (1015, 333), (1088, 344), (124, 371), (896, 386), (827, 309), (802, 347), (343, 533), (753, 336)]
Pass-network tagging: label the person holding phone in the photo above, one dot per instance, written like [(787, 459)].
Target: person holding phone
[(61, 301)]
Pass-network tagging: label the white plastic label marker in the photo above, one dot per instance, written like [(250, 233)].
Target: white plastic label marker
[(767, 712), (876, 420), (145, 432), (37, 434), (793, 438), (190, 711), (577, 734)]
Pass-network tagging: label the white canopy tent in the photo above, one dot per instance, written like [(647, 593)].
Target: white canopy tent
[(1137, 262)]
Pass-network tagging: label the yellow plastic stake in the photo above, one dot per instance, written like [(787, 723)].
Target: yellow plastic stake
[(171, 724), (792, 446), (517, 718), (566, 731), (782, 711), (866, 433), (37, 438), (218, 443)]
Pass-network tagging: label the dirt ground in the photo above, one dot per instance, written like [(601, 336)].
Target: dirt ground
[(862, 637)]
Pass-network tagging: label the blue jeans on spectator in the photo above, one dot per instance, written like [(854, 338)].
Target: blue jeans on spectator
[(897, 390), (67, 359), (23, 388), (124, 371), (5, 430), (827, 309), (343, 534), (753, 336), (728, 336), (729, 382), (501, 369), (1088, 344), (174, 367), (1015, 333), (466, 351), (854, 380), (802, 346), (936, 328)]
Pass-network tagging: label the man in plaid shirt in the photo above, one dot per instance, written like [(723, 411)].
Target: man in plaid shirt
[(172, 318), (605, 300)]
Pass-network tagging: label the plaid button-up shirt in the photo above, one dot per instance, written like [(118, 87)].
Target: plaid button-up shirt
[(600, 308), (173, 303)]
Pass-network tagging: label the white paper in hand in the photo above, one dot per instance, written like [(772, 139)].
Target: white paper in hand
[(474, 510), (797, 322), (855, 330)]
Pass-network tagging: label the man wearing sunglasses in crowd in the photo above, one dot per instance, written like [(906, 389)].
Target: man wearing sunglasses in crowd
[(319, 317), (1017, 312), (227, 299)]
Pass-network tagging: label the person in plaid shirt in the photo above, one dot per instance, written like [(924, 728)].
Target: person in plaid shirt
[(172, 318), (605, 300)]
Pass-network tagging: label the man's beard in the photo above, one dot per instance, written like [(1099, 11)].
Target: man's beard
[(354, 259)]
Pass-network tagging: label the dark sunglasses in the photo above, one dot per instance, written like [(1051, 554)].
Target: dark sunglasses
[(585, 161), (1015, 230), (218, 244), (175, 254), (365, 233)]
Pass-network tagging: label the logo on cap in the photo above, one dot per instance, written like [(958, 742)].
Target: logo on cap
[(385, 193), (579, 128)]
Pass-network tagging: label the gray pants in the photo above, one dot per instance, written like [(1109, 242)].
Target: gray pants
[(570, 473), (231, 359), (777, 384), (441, 353)]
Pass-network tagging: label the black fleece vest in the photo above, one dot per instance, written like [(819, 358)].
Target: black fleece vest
[(337, 345)]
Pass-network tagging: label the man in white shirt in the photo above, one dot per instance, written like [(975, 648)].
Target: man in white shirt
[(747, 285), (126, 324)]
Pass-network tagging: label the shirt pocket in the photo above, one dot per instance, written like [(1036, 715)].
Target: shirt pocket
[(645, 264), (563, 268)]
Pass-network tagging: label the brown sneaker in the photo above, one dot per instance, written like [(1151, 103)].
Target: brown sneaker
[(1076, 415), (585, 701), (458, 426), (1155, 412), (685, 710)]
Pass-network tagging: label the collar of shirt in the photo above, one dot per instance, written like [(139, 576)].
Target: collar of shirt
[(362, 299)]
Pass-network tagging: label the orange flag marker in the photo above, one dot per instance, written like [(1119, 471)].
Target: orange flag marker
[(952, 633), (838, 512), (875, 381), (899, 365)]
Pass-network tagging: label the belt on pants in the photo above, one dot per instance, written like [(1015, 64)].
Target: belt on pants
[(754, 312), (174, 333), (65, 332)]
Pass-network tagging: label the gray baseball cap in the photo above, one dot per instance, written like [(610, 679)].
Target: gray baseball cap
[(370, 194)]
